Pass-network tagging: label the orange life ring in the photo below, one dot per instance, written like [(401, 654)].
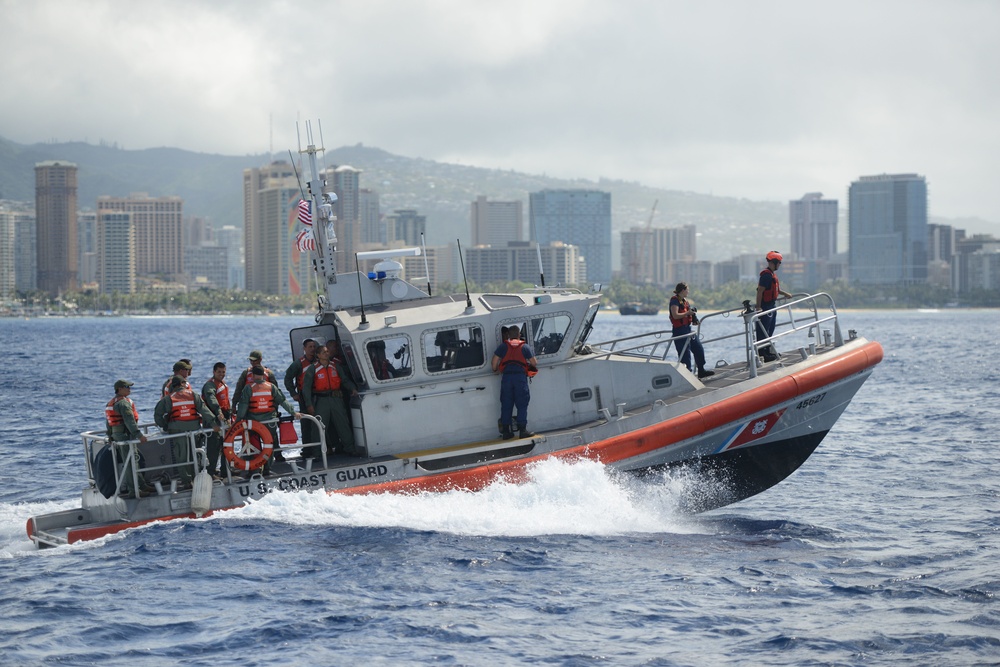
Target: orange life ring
[(243, 430)]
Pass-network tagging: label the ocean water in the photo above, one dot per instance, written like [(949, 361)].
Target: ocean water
[(882, 549)]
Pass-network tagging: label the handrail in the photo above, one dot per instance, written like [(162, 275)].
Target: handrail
[(799, 313)]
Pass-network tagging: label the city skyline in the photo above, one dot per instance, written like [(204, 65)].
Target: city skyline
[(758, 101)]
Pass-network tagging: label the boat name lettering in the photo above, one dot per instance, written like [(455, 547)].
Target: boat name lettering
[(810, 401), (369, 472), (287, 484)]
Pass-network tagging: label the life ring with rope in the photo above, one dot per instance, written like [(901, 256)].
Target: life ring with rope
[(260, 453)]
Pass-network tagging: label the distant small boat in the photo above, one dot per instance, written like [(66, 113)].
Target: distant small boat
[(636, 308)]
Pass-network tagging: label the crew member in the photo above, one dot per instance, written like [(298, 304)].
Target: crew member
[(215, 393), (323, 387), (513, 359), (122, 419), (246, 377), (260, 402), (293, 383), (768, 291), (682, 316), (182, 411), (183, 368)]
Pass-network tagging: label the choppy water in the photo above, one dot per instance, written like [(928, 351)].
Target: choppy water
[(882, 549)]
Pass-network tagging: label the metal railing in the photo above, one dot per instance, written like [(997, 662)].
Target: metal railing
[(93, 441), (801, 313)]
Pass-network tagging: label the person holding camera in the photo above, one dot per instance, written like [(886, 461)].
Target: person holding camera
[(682, 316)]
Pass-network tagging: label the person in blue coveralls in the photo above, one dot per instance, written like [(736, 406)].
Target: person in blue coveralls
[(513, 359)]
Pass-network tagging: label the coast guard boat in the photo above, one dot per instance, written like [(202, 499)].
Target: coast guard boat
[(425, 415)]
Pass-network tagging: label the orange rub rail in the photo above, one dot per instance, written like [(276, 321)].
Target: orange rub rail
[(654, 437)]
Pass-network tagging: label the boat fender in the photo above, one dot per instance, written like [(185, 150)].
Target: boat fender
[(104, 471), (201, 493), (245, 429)]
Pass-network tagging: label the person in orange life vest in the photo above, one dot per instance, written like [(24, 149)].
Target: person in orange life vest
[(513, 359), (293, 383), (246, 377), (260, 402), (183, 368), (337, 358), (682, 316), (183, 411), (768, 291), (215, 394), (324, 387), (122, 419)]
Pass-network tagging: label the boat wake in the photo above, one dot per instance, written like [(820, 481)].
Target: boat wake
[(560, 498)]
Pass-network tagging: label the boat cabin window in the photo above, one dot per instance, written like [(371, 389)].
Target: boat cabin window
[(389, 358), (454, 348), (547, 333)]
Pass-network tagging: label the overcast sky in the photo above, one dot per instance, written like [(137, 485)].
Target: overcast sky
[(756, 99)]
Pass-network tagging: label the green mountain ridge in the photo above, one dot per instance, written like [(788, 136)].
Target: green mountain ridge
[(211, 186)]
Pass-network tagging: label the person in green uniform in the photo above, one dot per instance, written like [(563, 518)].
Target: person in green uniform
[(260, 402), (294, 375), (246, 377), (323, 389), (215, 393), (183, 411), (122, 417)]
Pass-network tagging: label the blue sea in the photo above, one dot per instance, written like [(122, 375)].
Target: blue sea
[(882, 549)]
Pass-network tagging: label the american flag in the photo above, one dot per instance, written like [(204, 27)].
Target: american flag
[(305, 240), (305, 213)]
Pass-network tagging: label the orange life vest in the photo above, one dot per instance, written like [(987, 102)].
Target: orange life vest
[(770, 295), (303, 365), (182, 406), (514, 354), (222, 394), (261, 399), (113, 416), (166, 385), (684, 310), (325, 378)]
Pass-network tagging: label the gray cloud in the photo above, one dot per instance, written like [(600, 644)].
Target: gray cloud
[(763, 100)]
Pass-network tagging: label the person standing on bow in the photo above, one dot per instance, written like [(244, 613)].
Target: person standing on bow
[(122, 419), (323, 388), (215, 394), (182, 411), (294, 375), (682, 316), (260, 402), (768, 291), (513, 359)]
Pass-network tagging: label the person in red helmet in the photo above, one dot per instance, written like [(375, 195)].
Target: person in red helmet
[(768, 291)]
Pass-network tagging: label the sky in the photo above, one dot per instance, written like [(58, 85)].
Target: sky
[(765, 100)]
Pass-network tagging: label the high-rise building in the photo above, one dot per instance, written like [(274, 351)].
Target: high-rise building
[(159, 232), (577, 217), (887, 228), (86, 222), (406, 226), (25, 253), (270, 222), (55, 212), (207, 266), (813, 223), (496, 222), (8, 246), (646, 253), (116, 252), (372, 224), (231, 238)]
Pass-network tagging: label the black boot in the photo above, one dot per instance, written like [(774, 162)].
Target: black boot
[(702, 373), (523, 431), (507, 433)]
